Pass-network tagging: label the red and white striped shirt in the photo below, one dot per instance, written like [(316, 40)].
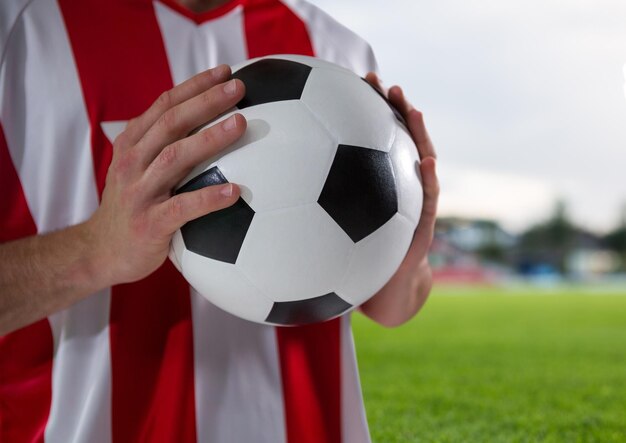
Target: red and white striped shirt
[(152, 360)]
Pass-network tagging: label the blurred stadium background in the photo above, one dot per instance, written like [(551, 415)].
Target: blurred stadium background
[(524, 337)]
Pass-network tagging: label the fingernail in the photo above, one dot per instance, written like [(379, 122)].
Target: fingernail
[(230, 123), (230, 87), (227, 190), (219, 71)]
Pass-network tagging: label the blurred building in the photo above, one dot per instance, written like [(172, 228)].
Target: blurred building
[(470, 251), (481, 251), (589, 263)]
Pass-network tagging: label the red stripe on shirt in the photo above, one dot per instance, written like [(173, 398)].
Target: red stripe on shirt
[(152, 360), (123, 67), (272, 28), (310, 362), (25, 354), (310, 356)]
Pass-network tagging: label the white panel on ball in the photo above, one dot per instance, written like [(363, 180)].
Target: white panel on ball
[(405, 161), (282, 167), (366, 120), (375, 259), (295, 254), (177, 249), (226, 287)]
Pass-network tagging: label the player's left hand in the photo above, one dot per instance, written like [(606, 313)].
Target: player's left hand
[(407, 291)]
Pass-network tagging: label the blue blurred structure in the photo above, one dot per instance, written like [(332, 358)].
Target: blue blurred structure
[(482, 252)]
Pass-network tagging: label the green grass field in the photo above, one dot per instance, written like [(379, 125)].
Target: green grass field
[(495, 366)]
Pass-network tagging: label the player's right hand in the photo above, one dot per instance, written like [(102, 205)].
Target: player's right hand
[(132, 228)]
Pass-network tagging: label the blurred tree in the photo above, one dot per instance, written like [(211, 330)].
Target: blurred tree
[(552, 241), (491, 249), (616, 239), (492, 252)]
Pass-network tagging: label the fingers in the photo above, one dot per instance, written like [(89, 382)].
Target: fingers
[(180, 120), (197, 84), (375, 81), (413, 117), (396, 97), (187, 206), (426, 226), (415, 122), (177, 159)]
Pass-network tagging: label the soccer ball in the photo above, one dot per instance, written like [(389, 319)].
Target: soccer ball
[(330, 197)]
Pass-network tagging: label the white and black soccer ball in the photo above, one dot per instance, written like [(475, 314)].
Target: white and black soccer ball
[(330, 197)]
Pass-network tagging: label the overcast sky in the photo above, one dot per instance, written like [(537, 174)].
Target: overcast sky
[(524, 99)]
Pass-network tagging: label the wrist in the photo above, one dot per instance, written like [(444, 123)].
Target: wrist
[(94, 267), (422, 282)]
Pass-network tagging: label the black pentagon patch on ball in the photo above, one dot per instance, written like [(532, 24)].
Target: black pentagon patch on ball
[(360, 190), (272, 80), (220, 234), (312, 310), (392, 107)]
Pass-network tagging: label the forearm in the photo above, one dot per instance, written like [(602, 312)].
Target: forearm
[(402, 297), (43, 274)]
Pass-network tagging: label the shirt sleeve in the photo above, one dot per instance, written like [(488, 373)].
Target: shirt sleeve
[(333, 41)]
